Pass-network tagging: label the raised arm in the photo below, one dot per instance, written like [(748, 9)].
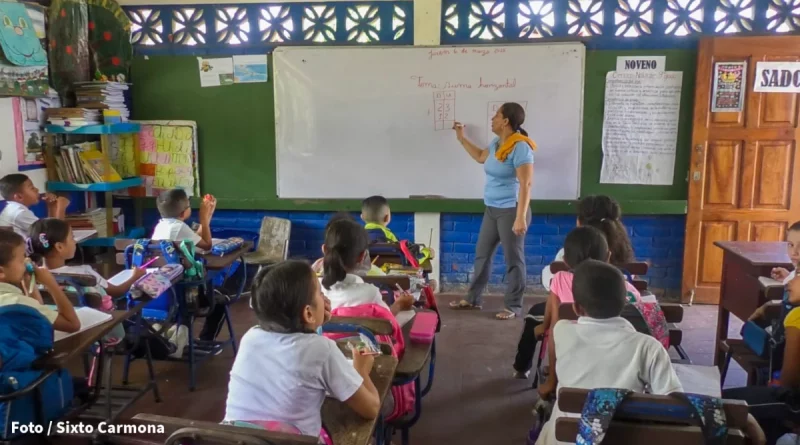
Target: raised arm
[(475, 152)]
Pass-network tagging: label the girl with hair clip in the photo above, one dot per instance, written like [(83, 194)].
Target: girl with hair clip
[(284, 370), (53, 244), (345, 245)]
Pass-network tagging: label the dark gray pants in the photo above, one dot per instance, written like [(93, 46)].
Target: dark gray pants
[(495, 229)]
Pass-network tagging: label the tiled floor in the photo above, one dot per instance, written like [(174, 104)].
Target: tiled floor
[(473, 400)]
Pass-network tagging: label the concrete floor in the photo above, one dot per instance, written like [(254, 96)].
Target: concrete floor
[(474, 400)]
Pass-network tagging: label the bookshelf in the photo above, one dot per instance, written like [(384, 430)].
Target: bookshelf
[(104, 131)]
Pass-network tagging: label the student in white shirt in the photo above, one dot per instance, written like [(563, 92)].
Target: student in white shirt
[(346, 244), (283, 369), (175, 209), (20, 194), (602, 349)]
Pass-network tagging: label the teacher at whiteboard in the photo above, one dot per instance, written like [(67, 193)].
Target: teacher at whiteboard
[(508, 166)]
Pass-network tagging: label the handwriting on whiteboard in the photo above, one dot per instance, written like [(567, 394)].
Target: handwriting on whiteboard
[(479, 83), (444, 52), (444, 110)]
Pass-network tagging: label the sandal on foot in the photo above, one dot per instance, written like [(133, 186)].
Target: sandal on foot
[(505, 315), (463, 305)]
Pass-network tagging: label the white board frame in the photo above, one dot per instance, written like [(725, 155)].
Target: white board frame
[(578, 130)]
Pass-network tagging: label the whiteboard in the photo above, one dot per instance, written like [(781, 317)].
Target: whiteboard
[(354, 122)]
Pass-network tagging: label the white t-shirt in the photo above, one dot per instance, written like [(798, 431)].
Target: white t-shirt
[(353, 291), (82, 270), (285, 377), (592, 353), (19, 217), (171, 229), (547, 276)]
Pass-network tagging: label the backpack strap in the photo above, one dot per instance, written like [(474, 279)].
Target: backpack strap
[(709, 413), (598, 410), (410, 257), (171, 256), (195, 269), (139, 252)]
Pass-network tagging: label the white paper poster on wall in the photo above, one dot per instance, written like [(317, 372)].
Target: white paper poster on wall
[(8, 146), (640, 127), (777, 77)]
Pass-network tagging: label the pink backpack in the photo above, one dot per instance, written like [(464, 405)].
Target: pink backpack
[(403, 395)]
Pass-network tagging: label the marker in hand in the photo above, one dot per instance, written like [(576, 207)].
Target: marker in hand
[(144, 266)]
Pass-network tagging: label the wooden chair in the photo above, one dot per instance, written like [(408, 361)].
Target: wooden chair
[(273, 243), (650, 419), (638, 269), (178, 431), (754, 365), (673, 313)]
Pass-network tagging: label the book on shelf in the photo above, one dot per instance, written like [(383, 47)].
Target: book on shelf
[(104, 96), (95, 219), (72, 117), (83, 164)]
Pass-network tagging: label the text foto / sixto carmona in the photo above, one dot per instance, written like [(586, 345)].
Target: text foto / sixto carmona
[(64, 427)]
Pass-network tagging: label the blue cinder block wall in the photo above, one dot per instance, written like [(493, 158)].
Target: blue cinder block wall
[(658, 239)]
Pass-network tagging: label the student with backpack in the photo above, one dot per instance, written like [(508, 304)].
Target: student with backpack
[(284, 369), (602, 349)]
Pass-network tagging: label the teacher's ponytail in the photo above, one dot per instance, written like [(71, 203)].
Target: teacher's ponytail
[(515, 115)]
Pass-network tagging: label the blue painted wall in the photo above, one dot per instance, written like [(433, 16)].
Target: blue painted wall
[(657, 239)]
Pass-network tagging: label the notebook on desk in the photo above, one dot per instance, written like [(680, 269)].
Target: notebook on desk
[(89, 318), (214, 242), (120, 278)]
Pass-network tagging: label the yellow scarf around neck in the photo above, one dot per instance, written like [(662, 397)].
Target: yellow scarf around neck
[(508, 146)]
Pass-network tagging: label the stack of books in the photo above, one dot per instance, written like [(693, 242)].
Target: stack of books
[(95, 219), (73, 117), (107, 97), (83, 164)]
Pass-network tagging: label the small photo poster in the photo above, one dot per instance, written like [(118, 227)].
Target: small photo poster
[(728, 90), (215, 72), (250, 69)]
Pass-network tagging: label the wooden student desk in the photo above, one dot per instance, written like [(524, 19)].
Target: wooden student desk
[(740, 292), (345, 426), (216, 262), (64, 351)]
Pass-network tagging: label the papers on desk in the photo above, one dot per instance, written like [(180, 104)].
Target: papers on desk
[(120, 278), (83, 235), (695, 379), (89, 318)]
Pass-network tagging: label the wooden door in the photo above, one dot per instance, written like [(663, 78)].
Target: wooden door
[(743, 164)]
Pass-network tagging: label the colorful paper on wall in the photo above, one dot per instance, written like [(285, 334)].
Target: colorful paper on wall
[(250, 69), (166, 157)]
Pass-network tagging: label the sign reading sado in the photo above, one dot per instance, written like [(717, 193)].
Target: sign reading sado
[(777, 77)]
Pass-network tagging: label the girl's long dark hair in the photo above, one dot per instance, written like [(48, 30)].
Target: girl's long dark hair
[(345, 242), (604, 213)]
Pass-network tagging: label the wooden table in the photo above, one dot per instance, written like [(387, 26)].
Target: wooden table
[(344, 425), (216, 262), (64, 351), (415, 357), (740, 292)]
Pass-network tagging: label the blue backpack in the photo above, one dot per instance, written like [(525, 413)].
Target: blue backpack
[(26, 335)]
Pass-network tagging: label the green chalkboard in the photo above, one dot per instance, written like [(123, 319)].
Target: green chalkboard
[(236, 138)]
